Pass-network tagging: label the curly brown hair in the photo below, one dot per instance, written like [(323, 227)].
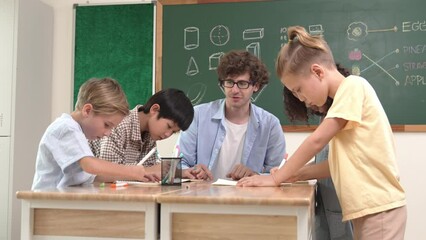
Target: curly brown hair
[(235, 63)]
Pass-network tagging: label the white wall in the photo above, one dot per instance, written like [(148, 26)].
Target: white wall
[(7, 78), (33, 90), (44, 79)]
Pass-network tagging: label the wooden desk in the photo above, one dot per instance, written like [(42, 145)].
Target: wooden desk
[(91, 212), (226, 212), (193, 211)]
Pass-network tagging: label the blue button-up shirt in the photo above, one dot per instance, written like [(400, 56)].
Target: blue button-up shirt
[(264, 145)]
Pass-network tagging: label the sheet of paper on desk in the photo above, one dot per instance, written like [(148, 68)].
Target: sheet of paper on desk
[(224, 182)]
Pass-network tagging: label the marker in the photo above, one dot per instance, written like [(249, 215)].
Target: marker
[(119, 184), (283, 161), (177, 151), (147, 156)]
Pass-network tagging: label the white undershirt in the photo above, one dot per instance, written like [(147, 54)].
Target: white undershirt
[(232, 148)]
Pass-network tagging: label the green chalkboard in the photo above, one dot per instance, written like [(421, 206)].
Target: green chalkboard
[(382, 40), (116, 41)]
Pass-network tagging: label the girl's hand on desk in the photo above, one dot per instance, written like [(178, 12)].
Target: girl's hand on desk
[(257, 181)]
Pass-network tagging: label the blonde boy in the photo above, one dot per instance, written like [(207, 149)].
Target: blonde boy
[(64, 157)]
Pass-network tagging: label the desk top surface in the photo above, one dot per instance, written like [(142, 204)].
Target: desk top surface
[(193, 192), (95, 192), (205, 193)]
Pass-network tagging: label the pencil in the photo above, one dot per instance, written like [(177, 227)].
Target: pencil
[(147, 156)]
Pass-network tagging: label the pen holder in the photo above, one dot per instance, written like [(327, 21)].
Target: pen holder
[(171, 171)]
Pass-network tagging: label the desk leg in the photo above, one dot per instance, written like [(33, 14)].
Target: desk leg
[(303, 222), (151, 227), (166, 222), (27, 222)]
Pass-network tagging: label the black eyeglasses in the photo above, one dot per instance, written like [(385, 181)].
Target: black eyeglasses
[(240, 84)]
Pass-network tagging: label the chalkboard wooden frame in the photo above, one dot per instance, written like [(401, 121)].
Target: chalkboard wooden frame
[(159, 59)]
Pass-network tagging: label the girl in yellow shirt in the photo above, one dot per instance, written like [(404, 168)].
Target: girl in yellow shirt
[(361, 160)]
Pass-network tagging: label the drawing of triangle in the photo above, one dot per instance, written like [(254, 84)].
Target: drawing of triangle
[(192, 67)]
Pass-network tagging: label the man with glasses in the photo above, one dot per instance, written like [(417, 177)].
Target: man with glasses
[(231, 137)]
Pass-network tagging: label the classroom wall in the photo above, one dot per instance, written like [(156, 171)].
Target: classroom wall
[(44, 79), (32, 102)]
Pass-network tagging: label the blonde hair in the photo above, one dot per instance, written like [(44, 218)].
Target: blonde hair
[(106, 96), (301, 51)]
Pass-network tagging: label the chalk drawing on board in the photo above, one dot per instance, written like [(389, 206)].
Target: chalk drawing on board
[(196, 92), (392, 68), (359, 30), (214, 60), (283, 36), (192, 67), (381, 68), (356, 70), (256, 95), (220, 35), (381, 59), (254, 48), (252, 34), (316, 29), (356, 55), (191, 38)]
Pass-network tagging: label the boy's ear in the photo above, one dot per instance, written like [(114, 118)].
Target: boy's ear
[(155, 108), (256, 87), (317, 70), (87, 108)]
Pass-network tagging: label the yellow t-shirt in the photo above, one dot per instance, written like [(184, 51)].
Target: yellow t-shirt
[(362, 155)]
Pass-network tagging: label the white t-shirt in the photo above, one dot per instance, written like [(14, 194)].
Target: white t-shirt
[(232, 148), (61, 147)]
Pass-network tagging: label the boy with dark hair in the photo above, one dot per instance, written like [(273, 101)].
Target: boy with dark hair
[(166, 112)]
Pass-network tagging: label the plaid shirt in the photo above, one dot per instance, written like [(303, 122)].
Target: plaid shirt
[(126, 144)]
